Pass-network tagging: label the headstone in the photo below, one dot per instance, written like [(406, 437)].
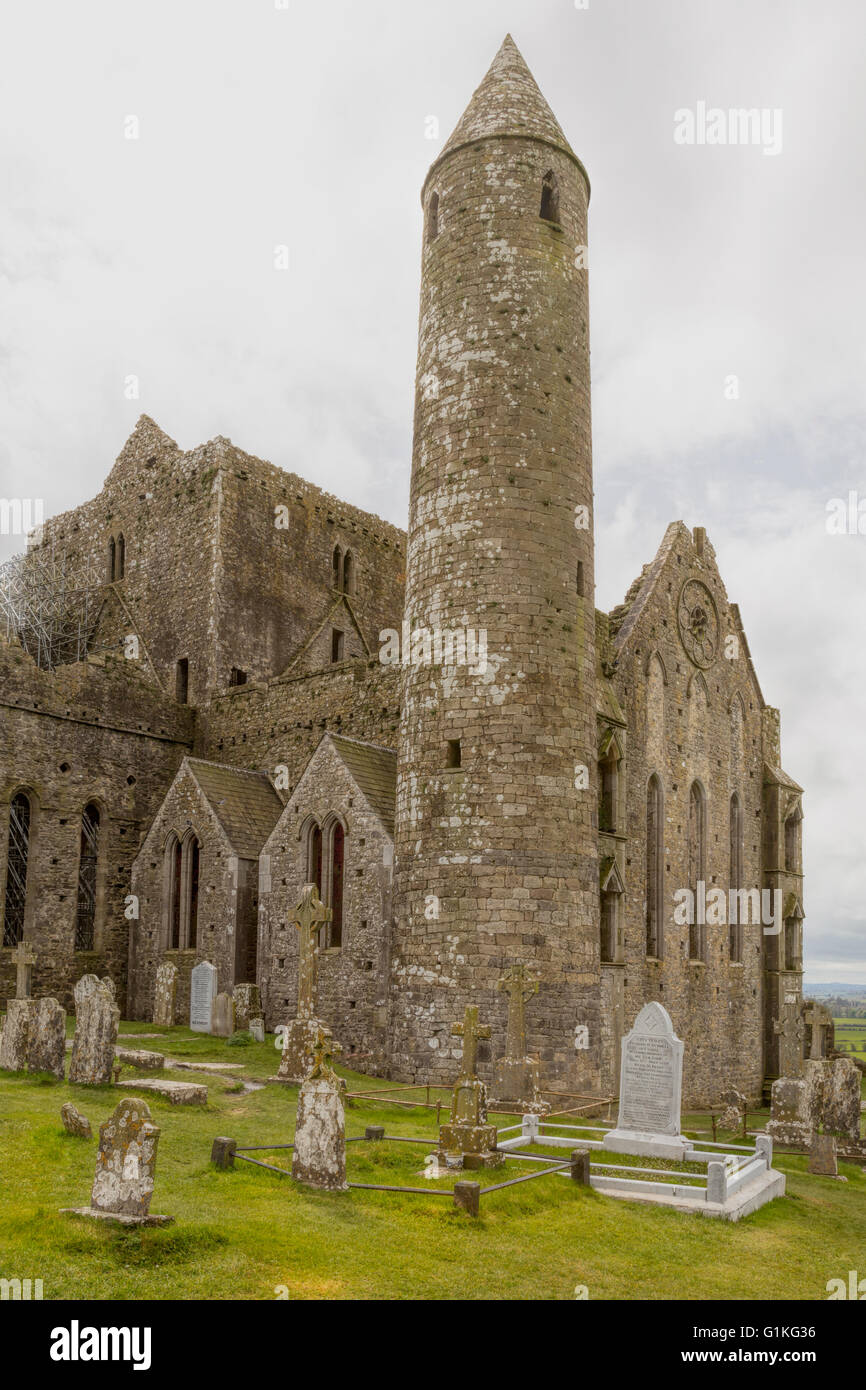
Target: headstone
[(822, 1156), (125, 1167), (74, 1122), (301, 1034), (248, 1005), (15, 1038), (202, 993), (516, 1077), (734, 1102), (222, 1016), (319, 1155), (24, 959), (820, 1030), (468, 1141), (257, 1029), (165, 994), (96, 1020), (650, 1090), (47, 1051), (826, 1096)]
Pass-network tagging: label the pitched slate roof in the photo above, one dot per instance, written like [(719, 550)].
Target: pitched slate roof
[(374, 769), (244, 803)]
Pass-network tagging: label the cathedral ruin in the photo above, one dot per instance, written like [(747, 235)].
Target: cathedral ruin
[(220, 684)]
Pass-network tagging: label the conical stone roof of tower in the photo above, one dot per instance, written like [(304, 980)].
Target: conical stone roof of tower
[(508, 102)]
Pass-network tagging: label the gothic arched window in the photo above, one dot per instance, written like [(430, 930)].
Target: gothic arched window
[(192, 856), (697, 865), (348, 572), (338, 853), (121, 557), (314, 856), (17, 861), (171, 891), (792, 841), (654, 866), (549, 197), (88, 862), (337, 567), (608, 788), (112, 560), (735, 877)]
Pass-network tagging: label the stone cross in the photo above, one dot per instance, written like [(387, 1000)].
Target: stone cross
[(23, 958), (309, 916), (471, 1033), (520, 987), (324, 1051)]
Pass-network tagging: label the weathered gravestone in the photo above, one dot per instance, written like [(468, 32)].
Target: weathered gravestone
[(74, 1122), (125, 1167), (309, 917), (248, 1005), (34, 1038), (650, 1089), (24, 959), (47, 1051), (222, 1016), (822, 1156), (15, 1038), (165, 994), (202, 993), (96, 1019), (257, 1029), (468, 1141), (826, 1095), (319, 1155), (516, 1078)]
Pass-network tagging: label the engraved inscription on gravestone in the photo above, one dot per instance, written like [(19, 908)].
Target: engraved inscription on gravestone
[(202, 992), (650, 1091)]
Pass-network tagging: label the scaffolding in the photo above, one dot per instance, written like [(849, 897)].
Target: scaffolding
[(51, 607)]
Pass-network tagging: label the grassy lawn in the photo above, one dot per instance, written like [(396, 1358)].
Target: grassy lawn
[(248, 1234)]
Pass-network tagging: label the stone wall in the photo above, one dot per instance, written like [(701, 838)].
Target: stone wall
[(352, 980), (90, 732), (691, 722)]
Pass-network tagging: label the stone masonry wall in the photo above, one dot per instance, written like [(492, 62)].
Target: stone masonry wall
[(89, 732), (352, 985)]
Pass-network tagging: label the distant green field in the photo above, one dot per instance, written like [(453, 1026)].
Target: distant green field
[(851, 1035)]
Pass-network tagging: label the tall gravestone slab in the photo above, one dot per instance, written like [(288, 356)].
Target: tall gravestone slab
[(96, 1019), (248, 1005), (650, 1089), (165, 994), (222, 1019), (15, 1038), (319, 1154), (202, 993), (47, 1051)]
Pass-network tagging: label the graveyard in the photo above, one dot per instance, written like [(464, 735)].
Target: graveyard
[(247, 1233)]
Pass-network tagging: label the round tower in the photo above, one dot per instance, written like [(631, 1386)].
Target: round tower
[(496, 840)]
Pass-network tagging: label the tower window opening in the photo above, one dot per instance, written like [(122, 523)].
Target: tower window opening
[(181, 681), (112, 560), (348, 573), (433, 218), (338, 645), (549, 198), (452, 753), (237, 676), (581, 585), (337, 567), (121, 557)]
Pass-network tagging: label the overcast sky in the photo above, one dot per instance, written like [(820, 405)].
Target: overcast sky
[(306, 126)]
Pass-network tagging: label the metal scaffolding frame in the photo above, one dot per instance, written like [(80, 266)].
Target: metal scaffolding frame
[(51, 606)]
